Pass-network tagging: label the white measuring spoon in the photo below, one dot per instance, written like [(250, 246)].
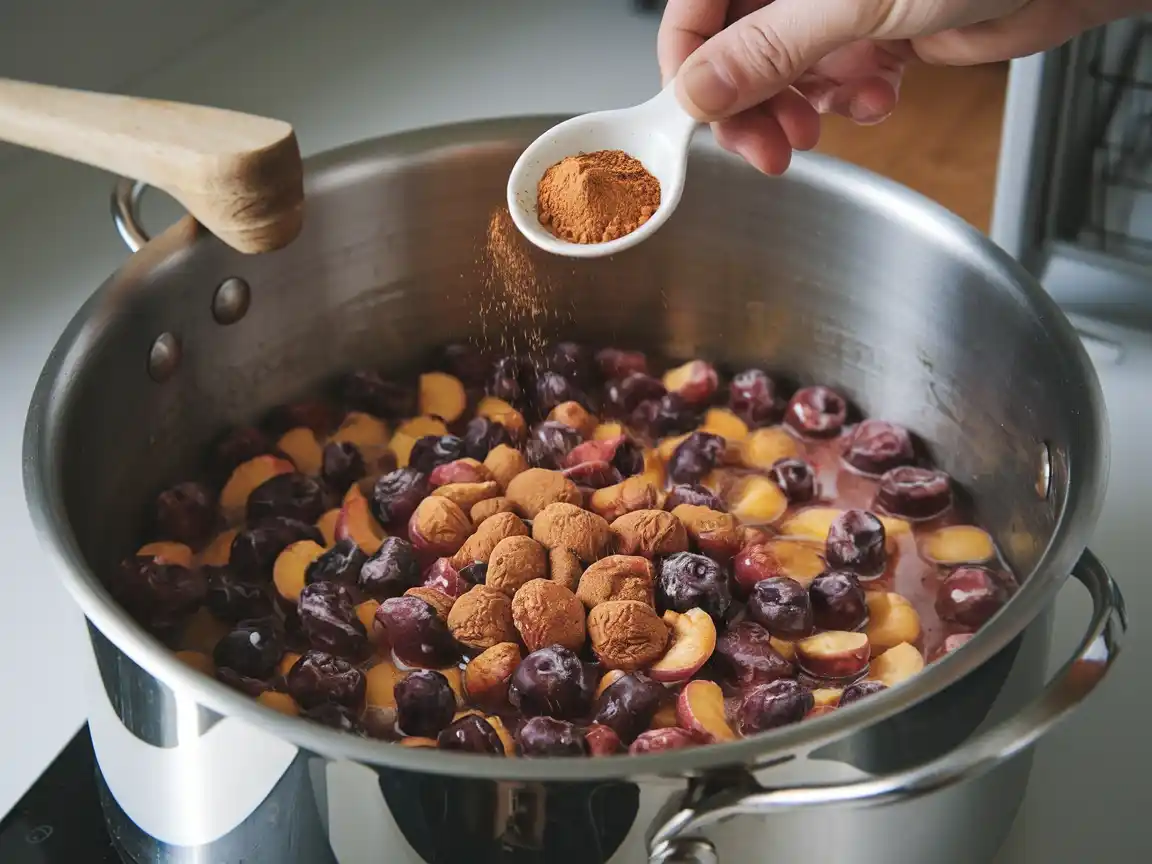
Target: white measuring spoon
[(656, 132)]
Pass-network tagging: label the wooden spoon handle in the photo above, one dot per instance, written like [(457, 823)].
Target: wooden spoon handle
[(237, 174)]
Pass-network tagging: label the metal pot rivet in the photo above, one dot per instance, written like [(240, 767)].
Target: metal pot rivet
[(230, 302), (1044, 472), (164, 357)]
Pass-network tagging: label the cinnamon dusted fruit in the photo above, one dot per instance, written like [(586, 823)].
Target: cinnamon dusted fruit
[(564, 567), (489, 533), (546, 613), (618, 577), (570, 527), (482, 618), (533, 490), (596, 197), (514, 561), (627, 634)]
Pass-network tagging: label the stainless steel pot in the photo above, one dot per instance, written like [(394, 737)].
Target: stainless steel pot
[(830, 272)]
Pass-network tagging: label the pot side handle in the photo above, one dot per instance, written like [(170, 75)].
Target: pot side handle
[(674, 841), (126, 195)]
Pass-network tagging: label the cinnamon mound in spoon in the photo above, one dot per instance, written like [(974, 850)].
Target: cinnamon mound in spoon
[(596, 197)]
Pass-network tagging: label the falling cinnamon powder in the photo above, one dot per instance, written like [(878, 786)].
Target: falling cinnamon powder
[(596, 197), (515, 306)]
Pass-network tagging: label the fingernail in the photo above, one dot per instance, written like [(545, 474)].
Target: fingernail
[(864, 114), (707, 88)]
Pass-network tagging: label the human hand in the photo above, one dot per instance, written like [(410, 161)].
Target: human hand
[(762, 71)]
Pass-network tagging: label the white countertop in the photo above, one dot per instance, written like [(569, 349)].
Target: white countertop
[(361, 69)]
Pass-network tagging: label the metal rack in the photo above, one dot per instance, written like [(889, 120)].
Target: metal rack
[(1074, 191), (1118, 69)]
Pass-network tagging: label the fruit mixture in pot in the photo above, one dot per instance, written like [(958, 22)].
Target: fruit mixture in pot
[(563, 557)]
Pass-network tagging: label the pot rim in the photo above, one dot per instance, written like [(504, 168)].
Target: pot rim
[(1086, 485)]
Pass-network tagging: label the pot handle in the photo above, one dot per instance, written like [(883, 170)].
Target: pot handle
[(239, 175), (673, 841), (126, 196)]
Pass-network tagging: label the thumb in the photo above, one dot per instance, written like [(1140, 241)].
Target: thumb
[(1036, 26), (762, 53)]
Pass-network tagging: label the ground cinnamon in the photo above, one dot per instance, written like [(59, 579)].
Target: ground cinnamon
[(596, 197), (515, 312)]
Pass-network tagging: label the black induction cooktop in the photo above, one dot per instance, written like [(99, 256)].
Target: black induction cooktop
[(59, 820)]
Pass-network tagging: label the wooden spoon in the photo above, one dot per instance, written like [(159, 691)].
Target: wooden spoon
[(237, 174)]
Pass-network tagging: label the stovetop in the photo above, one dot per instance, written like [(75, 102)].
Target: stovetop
[(59, 820)]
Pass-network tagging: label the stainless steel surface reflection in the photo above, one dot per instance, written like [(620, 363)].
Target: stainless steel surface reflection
[(830, 274)]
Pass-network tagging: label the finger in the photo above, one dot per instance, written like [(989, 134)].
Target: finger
[(860, 81), (1038, 26), (867, 101), (756, 136), (755, 58), (684, 27), (862, 59), (796, 118)]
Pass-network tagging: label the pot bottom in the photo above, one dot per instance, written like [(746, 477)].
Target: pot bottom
[(966, 825), (180, 783)]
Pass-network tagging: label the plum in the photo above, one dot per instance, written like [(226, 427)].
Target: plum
[(367, 391), (552, 389), (857, 542), (628, 705), (694, 494), (623, 395), (696, 456), (782, 607), (482, 435), (876, 446), (615, 364), (553, 682), (769, 706), (796, 478), (329, 621), (418, 635), (689, 581), (254, 550), (288, 496), (837, 601), (858, 690), (546, 736), (752, 397), (186, 513), (431, 451), (671, 414), (464, 361), (391, 571), (818, 412), (425, 703), (505, 381), (396, 495), (744, 657), (318, 677), (156, 592), (471, 734), (251, 648), (342, 563), (235, 447), (233, 599), (914, 493), (969, 596), (341, 465)]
